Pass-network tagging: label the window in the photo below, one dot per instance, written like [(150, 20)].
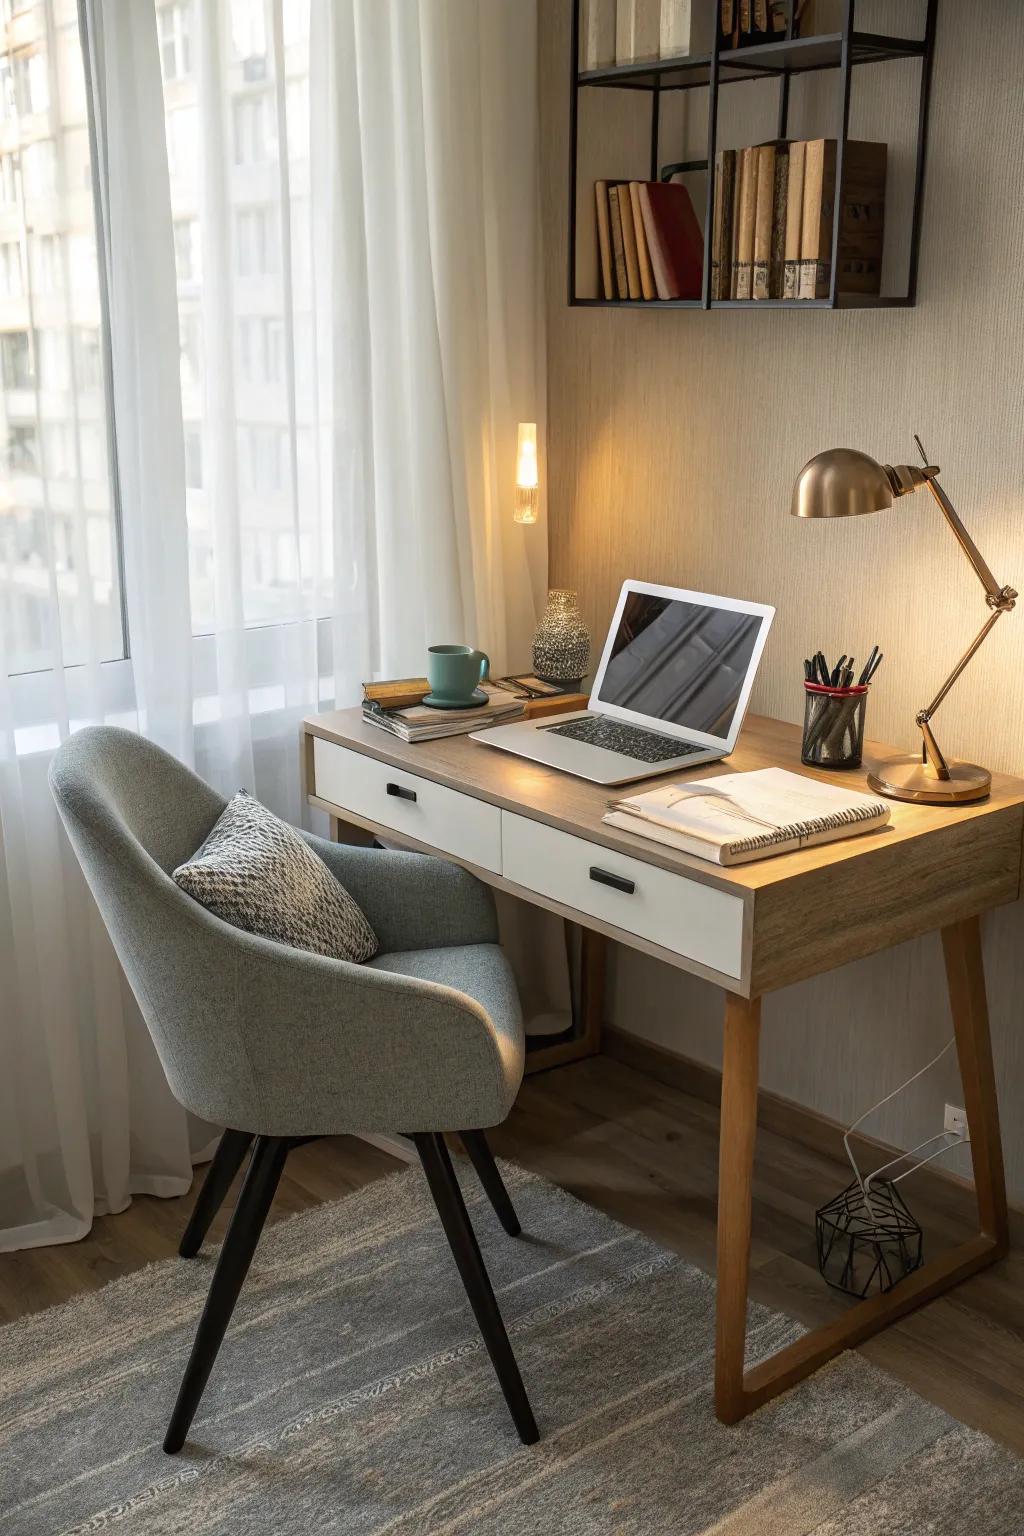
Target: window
[(257, 253), (174, 30), (31, 87), (8, 179), (22, 449), (11, 282), (261, 349), (54, 359), (263, 454), (58, 450), (248, 29), (47, 264), (271, 321), (48, 252), (186, 250), (16, 352), (255, 132), (39, 170), (182, 146), (88, 357)]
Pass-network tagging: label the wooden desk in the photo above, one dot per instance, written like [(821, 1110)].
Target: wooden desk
[(538, 834)]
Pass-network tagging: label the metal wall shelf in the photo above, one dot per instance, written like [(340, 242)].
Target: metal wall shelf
[(842, 51)]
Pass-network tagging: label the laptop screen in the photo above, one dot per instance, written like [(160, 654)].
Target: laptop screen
[(680, 662)]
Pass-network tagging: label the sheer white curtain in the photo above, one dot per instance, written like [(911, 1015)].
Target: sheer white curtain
[(319, 240)]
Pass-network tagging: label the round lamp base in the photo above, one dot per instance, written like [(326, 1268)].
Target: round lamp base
[(907, 778)]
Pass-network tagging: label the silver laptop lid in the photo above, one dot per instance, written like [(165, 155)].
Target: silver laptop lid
[(681, 662)]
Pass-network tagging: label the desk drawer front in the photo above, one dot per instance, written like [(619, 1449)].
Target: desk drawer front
[(450, 822), (697, 921)]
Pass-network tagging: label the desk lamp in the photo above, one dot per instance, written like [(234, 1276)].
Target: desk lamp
[(844, 483)]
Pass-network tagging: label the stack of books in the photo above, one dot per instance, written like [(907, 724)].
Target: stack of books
[(744, 23), (628, 31), (425, 722), (771, 236), (650, 243)]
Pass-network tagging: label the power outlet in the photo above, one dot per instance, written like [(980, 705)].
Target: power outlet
[(955, 1121)]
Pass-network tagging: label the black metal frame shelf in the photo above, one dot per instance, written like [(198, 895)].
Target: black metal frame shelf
[(843, 51)]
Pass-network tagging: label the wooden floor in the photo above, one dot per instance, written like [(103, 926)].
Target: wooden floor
[(646, 1154)]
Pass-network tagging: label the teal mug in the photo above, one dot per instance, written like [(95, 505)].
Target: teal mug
[(455, 672)]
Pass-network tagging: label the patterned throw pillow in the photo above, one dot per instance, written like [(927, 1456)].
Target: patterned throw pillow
[(255, 872)]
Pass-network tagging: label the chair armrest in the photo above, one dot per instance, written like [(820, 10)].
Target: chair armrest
[(337, 1048), (412, 900)]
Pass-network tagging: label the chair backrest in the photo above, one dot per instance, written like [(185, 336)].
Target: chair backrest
[(133, 813)]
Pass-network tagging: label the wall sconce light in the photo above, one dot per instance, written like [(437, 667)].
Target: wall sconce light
[(527, 494)]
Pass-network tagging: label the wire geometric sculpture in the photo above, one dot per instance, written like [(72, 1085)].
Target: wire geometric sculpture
[(867, 1242)]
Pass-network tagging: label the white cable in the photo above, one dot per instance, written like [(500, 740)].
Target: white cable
[(865, 1184)]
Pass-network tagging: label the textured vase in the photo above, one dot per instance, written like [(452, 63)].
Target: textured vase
[(561, 646)]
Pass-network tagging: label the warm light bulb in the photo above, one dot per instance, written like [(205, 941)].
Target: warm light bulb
[(524, 507)]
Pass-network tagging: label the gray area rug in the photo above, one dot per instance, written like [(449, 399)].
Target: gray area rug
[(353, 1395)]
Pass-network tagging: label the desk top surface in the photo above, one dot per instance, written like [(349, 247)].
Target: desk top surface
[(576, 805)]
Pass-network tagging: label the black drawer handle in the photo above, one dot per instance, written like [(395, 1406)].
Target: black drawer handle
[(618, 882), (400, 792)]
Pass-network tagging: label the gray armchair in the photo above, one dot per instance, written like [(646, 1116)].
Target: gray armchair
[(280, 1045)]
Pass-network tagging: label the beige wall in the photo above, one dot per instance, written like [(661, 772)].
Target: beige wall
[(673, 441)]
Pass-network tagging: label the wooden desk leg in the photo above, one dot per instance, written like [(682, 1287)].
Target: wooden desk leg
[(737, 1134), (738, 1393), (965, 977)]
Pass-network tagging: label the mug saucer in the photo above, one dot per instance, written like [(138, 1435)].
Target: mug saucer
[(479, 697)]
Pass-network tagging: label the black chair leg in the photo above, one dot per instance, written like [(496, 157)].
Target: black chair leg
[(482, 1158), (444, 1187), (243, 1234), (226, 1162)]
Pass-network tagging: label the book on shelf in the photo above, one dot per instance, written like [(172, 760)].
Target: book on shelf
[(674, 239), (794, 218), (618, 249), (861, 218), (743, 23), (597, 34), (637, 30), (743, 234), (604, 240), (721, 227), (764, 207), (780, 200), (629, 249), (647, 283), (686, 27), (738, 817), (424, 722)]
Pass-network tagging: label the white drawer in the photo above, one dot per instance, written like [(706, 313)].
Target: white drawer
[(695, 920), (452, 823)]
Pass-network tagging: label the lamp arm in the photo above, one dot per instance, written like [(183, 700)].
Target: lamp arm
[(905, 478), (925, 714), (994, 592)]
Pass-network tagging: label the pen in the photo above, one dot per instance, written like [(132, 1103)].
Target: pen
[(874, 666), (869, 664)]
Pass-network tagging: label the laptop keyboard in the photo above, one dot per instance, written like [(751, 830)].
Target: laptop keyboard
[(630, 740)]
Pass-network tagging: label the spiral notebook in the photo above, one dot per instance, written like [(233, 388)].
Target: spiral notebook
[(737, 817)]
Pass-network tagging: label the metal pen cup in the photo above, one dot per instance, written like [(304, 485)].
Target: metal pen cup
[(833, 725)]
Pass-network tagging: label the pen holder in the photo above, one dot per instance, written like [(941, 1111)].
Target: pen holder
[(833, 726)]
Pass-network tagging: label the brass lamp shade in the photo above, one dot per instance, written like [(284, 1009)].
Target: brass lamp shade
[(841, 482)]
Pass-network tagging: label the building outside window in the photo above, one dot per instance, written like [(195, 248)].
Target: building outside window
[(174, 30), (254, 124), (257, 250), (16, 354)]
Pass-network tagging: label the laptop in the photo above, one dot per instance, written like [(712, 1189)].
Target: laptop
[(670, 693)]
